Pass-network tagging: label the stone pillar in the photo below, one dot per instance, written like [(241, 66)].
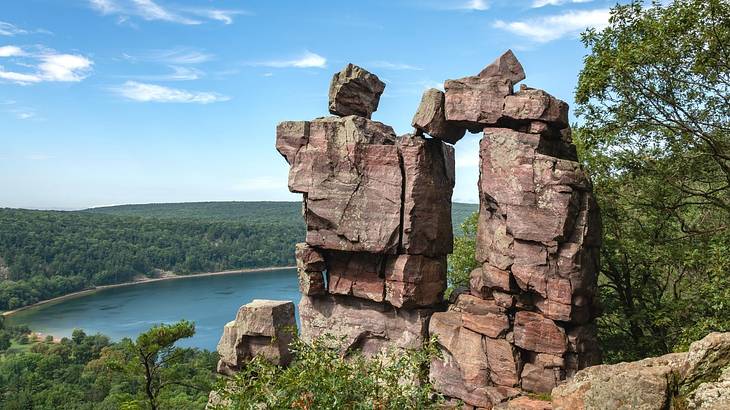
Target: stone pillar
[(378, 213), (526, 322)]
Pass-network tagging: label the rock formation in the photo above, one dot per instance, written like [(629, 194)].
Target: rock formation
[(378, 214), (527, 321), (377, 208), (697, 379), (262, 327)]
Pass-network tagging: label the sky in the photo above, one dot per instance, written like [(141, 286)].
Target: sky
[(106, 102)]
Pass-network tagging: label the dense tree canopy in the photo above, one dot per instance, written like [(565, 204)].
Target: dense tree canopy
[(47, 254), (655, 97)]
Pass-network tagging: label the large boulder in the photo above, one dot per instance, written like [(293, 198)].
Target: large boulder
[(355, 91), (261, 328), (428, 171), (349, 170), (431, 118), (477, 101), (644, 385), (535, 333), (415, 280)]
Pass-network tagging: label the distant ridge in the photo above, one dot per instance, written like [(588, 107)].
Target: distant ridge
[(253, 211)]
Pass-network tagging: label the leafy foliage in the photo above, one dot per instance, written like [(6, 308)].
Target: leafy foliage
[(320, 378), (463, 260), (83, 372), (656, 139)]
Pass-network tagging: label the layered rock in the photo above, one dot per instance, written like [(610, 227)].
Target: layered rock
[(355, 91), (378, 214), (538, 235), (261, 328)]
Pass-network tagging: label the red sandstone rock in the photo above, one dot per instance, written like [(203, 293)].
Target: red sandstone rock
[(489, 324), (365, 325), (309, 259), (262, 327), (503, 362), (350, 173), (535, 333), (356, 274), (539, 379), (415, 280), (355, 91), (431, 118), (476, 306), (485, 279), (531, 104), (505, 66), (493, 243), (311, 283), (463, 371), (290, 137), (525, 403), (476, 102), (428, 166)]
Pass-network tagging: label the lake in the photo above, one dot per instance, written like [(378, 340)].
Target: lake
[(209, 301)]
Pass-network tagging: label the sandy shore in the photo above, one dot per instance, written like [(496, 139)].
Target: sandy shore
[(140, 281)]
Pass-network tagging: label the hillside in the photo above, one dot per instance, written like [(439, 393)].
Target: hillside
[(264, 212), (44, 254)]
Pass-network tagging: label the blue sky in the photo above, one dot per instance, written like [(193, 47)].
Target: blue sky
[(136, 101)]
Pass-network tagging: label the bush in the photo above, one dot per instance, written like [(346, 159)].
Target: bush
[(320, 378)]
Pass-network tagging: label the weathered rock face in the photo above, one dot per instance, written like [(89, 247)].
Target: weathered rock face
[(697, 379), (538, 235), (262, 327), (355, 91), (378, 214), (366, 325), (431, 118)]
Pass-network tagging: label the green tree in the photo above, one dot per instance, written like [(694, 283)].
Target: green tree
[(656, 140), (463, 260)]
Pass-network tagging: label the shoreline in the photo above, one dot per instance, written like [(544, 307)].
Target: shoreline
[(138, 282)]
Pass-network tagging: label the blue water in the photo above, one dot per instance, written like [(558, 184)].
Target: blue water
[(209, 301)]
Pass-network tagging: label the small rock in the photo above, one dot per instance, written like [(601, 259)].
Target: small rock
[(535, 333)]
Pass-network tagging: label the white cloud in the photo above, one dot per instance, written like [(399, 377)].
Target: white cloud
[(224, 16), (104, 6), (152, 10), (7, 29), (542, 3), (174, 56), (479, 5), (48, 65), (549, 28), (307, 60), (149, 10), (11, 51), (387, 65), (143, 92)]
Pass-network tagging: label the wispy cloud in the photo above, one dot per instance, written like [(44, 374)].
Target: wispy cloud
[(151, 10), (47, 66), (7, 29), (307, 60), (549, 28), (542, 3), (387, 65), (174, 56), (143, 92), (478, 5)]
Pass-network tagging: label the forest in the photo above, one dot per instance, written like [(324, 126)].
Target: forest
[(44, 254)]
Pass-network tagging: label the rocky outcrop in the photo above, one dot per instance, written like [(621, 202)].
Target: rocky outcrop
[(538, 235), (261, 328), (378, 213), (697, 379)]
